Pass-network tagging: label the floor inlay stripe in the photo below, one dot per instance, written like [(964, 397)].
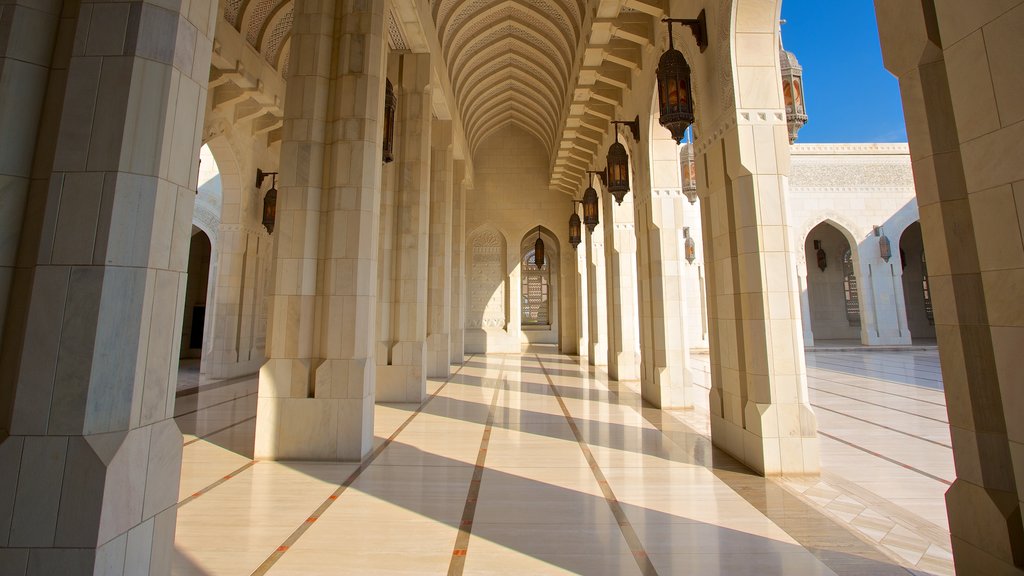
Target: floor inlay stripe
[(220, 481), (886, 458), (879, 405), (458, 561), (643, 561), (877, 391), (294, 537), (915, 436)]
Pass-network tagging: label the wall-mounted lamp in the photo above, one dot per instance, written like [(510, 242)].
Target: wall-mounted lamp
[(575, 226), (390, 107), (690, 245), (884, 246), (618, 160), (675, 87), (269, 199), (820, 253), (590, 200), (688, 163)]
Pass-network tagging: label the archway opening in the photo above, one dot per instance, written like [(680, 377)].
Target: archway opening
[(832, 285), (193, 324), (916, 289), (538, 283)]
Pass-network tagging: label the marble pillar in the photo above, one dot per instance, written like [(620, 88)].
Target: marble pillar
[(439, 257), (597, 305), (316, 390), (90, 455), (620, 268), (958, 66), (458, 267), (582, 297), (404, 377), (659, 204)]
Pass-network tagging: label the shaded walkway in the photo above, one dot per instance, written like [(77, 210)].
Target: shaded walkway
[(518, 464)]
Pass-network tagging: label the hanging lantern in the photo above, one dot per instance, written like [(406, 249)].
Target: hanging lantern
[(390, 107), (575, 228), (538, 252), (618, 161), (689, 169), (675, 87), (269, 199), (690, 246), (792, 92), (822, 257), (590, 208), (884, 246)]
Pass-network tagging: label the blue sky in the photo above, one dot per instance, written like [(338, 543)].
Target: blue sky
[(851, 97)]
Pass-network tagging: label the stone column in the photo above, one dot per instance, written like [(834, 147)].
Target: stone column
[(759, 408), (404, 378), (568, 335), (90, 458), (28, 29), (582, 296), (597, 352), (665, 378), (458, 269), (439, 258), (317, 389), (620, 263), (805, 302), (958, 69)]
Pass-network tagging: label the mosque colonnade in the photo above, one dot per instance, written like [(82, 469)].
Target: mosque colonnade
[(370, 274)]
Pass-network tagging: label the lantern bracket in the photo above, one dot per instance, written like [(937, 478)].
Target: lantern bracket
[(602, 175), (261, 176), (633, 125), (699, 27)]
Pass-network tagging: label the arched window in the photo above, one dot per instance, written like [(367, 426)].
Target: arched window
[(850, 289), (927, 291), (536, 282)]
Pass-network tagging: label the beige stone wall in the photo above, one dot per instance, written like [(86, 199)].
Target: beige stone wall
[(511, 197)]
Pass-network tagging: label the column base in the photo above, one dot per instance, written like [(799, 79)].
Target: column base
[(457, 354), (985, 530), (623, 366), (405, 378), (598, 354), (439, 356), (771, 455), (334, 425), (667, 387)]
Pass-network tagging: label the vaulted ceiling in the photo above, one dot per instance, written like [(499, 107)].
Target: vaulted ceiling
[(266, 25), (510, 61)]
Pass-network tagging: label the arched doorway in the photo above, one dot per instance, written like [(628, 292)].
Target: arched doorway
[(193, 324), (916, 289), (538, 281), (832, 286)]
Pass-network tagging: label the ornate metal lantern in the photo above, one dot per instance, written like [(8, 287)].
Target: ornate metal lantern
[(269, 199), (819, 252), (575, 228), (884, 246), (675, 88), (538, 252), (618, 161), (689, 169), (690, 246), (390, 107), (793, 92), (590, 208)]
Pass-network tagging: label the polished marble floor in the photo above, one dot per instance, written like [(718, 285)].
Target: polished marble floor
[(536, 464)]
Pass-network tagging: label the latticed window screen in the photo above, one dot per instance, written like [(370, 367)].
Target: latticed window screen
[(535, 291), (927, 291), (850, 289)]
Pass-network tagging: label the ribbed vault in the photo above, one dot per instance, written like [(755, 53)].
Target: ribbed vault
[(266, 25), (510, 62)]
